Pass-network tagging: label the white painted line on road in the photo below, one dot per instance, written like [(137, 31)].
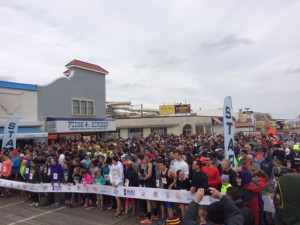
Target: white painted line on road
[(11, 204), (30, 218)]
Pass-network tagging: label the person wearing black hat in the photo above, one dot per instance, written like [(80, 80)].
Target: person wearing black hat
[(35, 177), (219, 212)]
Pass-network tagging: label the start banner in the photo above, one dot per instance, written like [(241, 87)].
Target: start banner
[(178, 196), (155, 194)]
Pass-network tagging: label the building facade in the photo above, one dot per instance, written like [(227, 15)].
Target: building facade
[(74, 106), (20, 101), (143, 126)]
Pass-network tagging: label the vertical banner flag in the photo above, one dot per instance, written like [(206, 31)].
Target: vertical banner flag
[(10, 133), (229, 132)]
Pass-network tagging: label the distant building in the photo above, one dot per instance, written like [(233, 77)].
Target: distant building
[(20, 100)]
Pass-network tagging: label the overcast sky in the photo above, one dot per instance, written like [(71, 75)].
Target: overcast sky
[(162, 51)]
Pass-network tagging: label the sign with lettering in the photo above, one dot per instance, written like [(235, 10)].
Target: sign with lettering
[(64, 126), (182, 108), (229, 132), (10, 132)]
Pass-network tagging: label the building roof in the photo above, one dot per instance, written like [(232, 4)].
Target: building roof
[(12, 85), (247, 124), (86, 65)]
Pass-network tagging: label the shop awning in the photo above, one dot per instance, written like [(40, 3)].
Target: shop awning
[(27, 133)]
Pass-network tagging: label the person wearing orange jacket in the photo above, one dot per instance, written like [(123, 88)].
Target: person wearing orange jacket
[(6, 172)]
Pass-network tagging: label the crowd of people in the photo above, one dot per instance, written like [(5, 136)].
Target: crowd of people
[(192, 163)]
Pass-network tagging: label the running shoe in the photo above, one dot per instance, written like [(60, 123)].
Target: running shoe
[(146, 221), (154, 217)]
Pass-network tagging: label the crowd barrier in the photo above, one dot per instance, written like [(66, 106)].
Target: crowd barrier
[(156, 194)]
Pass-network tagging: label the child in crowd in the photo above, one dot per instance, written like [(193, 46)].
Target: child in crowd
[(88, 179), (182, 183), (99, 180), (77, 177), (225, 183), (66, 178)]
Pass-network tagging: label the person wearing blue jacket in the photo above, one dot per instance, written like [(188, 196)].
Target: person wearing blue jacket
[(56, 177), (16, 163)]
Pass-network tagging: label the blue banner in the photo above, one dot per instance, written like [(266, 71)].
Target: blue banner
[(10, 133)]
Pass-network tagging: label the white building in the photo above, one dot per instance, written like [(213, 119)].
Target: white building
[(20, 100)]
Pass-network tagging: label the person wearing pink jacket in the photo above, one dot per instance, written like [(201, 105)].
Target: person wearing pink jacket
[(88, 180)]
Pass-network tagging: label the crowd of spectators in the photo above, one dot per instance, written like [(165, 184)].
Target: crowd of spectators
[(193, 163)]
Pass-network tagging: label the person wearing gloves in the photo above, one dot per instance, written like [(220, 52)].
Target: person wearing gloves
[(116, 176), (219, 213)]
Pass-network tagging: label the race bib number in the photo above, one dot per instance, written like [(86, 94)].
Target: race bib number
[(115, 175), (106, 177), (126, 182), (164, 180), (4, 169), (31, 176), (27, 170), (49, 172), (157, 183), (55, 176)]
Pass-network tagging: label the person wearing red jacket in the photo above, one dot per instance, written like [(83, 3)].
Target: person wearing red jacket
[(6, 172), (261, 177), (249, 193), (212, 172)]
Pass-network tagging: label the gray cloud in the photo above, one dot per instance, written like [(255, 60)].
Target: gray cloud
[(168, 52), (141, 66), (228, 42), (297, 70), (133, 85), (168, 63)]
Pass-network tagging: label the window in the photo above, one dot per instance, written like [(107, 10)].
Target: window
[(187, 130), (208, 130), (83, 107), (90, 108), (76, 109), (135, 132), (159, 130)]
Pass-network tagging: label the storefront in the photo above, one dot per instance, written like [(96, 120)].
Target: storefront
[(75, 129), (28, 135)]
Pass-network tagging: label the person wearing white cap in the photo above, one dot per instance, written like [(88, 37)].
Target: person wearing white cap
[(289, 159)]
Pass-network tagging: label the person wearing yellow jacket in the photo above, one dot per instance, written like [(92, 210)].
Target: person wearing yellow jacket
[(225, 183)]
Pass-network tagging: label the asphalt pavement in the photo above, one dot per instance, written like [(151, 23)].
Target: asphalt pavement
[(15, 210)]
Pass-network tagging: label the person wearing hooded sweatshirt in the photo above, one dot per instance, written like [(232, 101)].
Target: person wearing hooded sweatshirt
[(249, 193), (267, 164), (56, 176), (235, 195)]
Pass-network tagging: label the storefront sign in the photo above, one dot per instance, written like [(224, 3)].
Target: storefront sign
[(181, 109), (166, 109), (65, 126)]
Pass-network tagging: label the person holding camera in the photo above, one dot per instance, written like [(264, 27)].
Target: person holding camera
[(219, 213)]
